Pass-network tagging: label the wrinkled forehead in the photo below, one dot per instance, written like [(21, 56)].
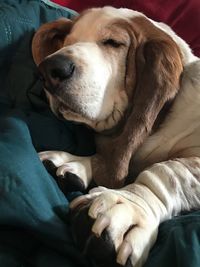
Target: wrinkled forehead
[(97, 21)]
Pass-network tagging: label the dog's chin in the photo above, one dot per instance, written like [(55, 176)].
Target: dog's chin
[(64, 108)]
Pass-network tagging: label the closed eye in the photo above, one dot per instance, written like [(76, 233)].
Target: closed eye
[(112, 43)]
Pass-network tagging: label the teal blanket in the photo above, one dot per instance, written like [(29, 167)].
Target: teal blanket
[(34, 226)]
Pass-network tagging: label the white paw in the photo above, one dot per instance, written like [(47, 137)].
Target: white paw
[(128, 219), (65, 163)]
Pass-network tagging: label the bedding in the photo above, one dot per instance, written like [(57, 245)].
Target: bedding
[(34, 220)]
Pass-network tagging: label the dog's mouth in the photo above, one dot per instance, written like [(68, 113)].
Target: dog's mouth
[(63, 109), (58, 106)]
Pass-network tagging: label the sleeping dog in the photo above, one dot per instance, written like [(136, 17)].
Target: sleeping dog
[(137, 84)]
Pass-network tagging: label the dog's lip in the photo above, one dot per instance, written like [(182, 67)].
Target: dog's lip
[(63, 107)]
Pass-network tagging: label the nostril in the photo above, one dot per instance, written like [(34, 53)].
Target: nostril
[(57, 73), (63, 73)]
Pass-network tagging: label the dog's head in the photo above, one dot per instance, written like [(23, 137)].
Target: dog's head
[(94, 66)]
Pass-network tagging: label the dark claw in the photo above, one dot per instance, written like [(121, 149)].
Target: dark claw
[(50, 167), (81, 225), (70, 182), (100, 251)]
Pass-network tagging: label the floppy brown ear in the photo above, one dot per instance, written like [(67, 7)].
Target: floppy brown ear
[(158, 71), (49, 38)]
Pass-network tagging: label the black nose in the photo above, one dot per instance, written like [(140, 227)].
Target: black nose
[(55, 70)]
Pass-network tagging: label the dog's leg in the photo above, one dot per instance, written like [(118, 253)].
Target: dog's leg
[(126, 221), (73, 173)]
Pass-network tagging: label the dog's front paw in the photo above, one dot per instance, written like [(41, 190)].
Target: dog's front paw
[(72, 173), (113, 227)]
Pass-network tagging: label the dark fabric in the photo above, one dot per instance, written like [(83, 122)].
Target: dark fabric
[(33, 211), (34, 227), (178, 243), (182, 15)]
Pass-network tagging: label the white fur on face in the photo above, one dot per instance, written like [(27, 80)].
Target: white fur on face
[(96, 93)]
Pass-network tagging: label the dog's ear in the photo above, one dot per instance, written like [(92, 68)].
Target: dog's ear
[(158, 73), (158, 76), (158, 70), (49, 38)]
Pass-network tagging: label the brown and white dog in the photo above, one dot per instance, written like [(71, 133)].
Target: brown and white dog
[(137, 84)]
